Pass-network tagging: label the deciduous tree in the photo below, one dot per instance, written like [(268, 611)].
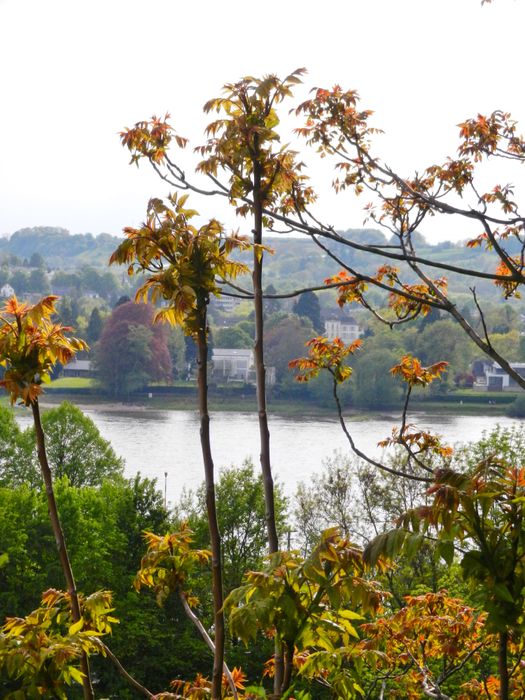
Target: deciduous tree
[(308, 305), (132, 351), (76, 449), (30, 345)]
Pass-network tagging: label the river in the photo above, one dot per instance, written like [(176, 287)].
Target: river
[(160, 443)]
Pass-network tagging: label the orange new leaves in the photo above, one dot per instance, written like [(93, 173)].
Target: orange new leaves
[(413, 373), (150, 139), (511, 286), (406, 300), (425, 642), (200, 687), (333, 119), (325, 354), (495, 134), (419, 441), (168, 562), (244, 142), (30, 345), (42, 650), (350, 289)]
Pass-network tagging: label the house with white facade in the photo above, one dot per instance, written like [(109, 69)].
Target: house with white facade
[(232, 364), (6, 291), (494, 378), (78, 368), (345, 328), (237, 365)]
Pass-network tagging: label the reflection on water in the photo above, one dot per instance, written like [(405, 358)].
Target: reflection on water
[(159, 442)]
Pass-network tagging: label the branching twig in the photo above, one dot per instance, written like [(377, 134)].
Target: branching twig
[(208, 640), (120, 668)]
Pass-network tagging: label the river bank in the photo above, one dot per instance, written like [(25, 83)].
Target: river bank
[(488, 405)]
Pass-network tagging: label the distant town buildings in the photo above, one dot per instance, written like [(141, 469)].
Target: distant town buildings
[(226, 304)]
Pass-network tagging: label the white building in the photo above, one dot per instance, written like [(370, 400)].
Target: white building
[(237, 365), (496, 379), (232, 364), (224, 303), (347, 329), (6, 291), (78, 368)]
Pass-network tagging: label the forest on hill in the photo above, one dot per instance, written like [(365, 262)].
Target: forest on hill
[(296, 260)]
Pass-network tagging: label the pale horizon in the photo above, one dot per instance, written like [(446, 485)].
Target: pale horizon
[(75, 74)]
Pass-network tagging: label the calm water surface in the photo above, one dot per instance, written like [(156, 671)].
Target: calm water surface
[(159, 442)]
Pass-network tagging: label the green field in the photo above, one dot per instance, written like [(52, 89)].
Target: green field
[(71, 383)]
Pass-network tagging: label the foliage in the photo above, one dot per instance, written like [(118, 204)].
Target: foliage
[(284, 339), (308, 305), (327, 355), (423, 645), (241, 519), (304, 602), (479, 513), (517, 407), (177, 349), (76, 449), (30, 345), (16, 464), (233, 337), (184, 261), (168, 563), (328, 500), (104, 527), (95, 325), (42, 651), (372, 386), (132, 351)]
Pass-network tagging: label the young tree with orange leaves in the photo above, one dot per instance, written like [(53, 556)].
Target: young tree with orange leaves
[(30, 345), (261, 177), (182, 263)]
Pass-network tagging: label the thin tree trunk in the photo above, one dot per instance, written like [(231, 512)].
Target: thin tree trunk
[(503, 666), (288, 668), (260, 369), (60, 540), (260, 373), (218, 616)]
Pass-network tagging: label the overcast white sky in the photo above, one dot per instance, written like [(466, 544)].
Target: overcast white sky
[(75, 72)]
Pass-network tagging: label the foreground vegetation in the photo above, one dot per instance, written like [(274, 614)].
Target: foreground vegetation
[(104, 517)]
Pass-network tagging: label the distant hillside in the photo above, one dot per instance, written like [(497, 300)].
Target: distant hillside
[(297, 262), (59, 247), (300, 262)]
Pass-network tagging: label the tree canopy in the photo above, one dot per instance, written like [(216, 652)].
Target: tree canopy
[(132, 351)]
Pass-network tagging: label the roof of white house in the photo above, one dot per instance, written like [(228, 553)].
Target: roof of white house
[(344, 320), (236, 352), (82, 365)]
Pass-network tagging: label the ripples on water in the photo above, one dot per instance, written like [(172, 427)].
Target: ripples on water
[(159, 442)]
